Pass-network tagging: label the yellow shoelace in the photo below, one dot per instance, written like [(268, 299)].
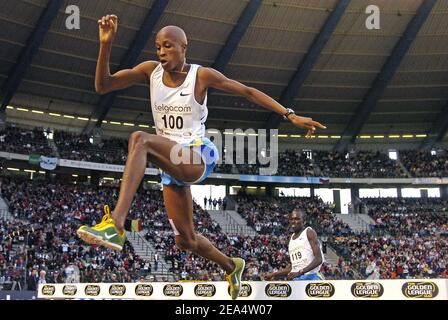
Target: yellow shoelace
[(106, 218)]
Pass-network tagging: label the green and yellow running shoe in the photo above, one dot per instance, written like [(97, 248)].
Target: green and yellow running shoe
[(234, 279), (104, 233)]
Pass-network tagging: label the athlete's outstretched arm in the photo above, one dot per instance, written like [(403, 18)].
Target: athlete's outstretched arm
[(280, 273), (217, 80), (312, 238), (104, 81)]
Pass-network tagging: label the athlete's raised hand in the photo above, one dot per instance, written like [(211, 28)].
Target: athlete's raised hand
[(108, 28), (306, 123)]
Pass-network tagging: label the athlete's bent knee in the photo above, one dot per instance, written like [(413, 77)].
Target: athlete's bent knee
[(137, 136), (139, 140)]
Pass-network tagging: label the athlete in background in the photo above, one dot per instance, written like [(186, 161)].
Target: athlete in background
[(304, 252)]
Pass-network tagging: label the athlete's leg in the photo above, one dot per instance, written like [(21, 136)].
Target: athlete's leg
[(179, 206), (143, 147)]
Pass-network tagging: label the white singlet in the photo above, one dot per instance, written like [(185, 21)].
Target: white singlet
[(177, 114), (301, 254)]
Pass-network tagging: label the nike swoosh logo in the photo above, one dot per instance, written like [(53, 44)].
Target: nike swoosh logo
[(108, 237), (184, 94)]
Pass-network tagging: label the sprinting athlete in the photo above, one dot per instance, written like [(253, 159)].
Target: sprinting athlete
[(178, 92), (304, 252)]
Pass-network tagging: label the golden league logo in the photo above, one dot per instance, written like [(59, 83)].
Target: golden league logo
[(367, 289), (92, 290), (173, 290), (69, 290), (204, 290), (48, 290), (420, 289), (144, 290), (320, 290), (278, 290)]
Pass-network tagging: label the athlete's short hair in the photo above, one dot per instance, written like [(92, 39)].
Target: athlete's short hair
[(299, 210)]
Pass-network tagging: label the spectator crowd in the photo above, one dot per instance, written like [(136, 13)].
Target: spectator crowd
[(54, 211), (18, 140), (78, 147), (355, 164), (38, 242), (426, 163)]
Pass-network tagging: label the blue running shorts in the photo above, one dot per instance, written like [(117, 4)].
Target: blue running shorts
[(209, 154), (310, 276)]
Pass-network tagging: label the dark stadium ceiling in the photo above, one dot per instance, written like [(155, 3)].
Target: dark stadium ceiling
[(275, 44)]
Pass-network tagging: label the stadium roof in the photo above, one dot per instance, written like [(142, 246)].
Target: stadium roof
[(274, 39)]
